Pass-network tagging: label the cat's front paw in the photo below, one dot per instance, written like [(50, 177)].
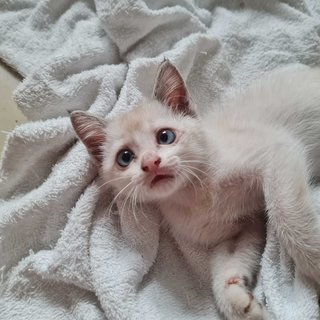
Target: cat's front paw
[(240, 303)]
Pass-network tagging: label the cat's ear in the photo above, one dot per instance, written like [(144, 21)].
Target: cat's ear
[(171, 90), (92, 132)]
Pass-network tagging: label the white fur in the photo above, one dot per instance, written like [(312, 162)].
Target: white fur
[(254, 153)]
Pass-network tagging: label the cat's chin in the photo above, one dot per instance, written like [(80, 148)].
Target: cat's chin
[(161, 187)]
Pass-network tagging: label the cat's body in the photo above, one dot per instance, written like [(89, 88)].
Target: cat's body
[(208, 216), (214, 177), (277, 115)]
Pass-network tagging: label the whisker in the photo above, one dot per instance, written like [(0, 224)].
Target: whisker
[(195, 168), (144, 215), (132, 196), (110, 181), (193, 161), (134, 206), (193, 174), (193, 155), (117, 196), (125, 200), (188, 178)]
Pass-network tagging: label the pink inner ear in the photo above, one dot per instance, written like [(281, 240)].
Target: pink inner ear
[(91, 131), (178, 101), (170, 89), (94, 145)]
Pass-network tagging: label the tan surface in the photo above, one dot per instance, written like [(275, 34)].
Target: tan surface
[(10, 115)]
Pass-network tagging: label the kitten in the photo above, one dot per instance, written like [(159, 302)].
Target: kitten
[(213, 177)]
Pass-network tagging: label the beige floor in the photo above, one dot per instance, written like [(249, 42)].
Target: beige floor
[(10, 115)]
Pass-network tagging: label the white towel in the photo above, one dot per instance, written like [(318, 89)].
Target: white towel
[(61, 255)]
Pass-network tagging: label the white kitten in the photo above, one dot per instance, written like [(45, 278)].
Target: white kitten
[(214, 177)]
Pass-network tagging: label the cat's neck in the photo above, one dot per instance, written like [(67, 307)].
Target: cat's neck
[(193, 194)]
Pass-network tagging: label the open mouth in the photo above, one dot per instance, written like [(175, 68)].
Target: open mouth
[(159, 178)]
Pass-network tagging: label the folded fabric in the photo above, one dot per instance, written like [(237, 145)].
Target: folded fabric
[(62, 256)]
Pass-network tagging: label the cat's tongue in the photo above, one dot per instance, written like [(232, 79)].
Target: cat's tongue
[(159, 178)]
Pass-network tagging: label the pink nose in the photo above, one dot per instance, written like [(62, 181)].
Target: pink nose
[(150, 162)]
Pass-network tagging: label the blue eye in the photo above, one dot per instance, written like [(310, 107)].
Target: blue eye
[(166, 136), (124, 157)]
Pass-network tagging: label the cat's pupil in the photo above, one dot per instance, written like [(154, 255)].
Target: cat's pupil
[(164, 136), (126, 156)]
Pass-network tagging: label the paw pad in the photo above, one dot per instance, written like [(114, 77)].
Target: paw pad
[(234, 280)]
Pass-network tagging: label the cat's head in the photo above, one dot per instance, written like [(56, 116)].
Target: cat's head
[(153, 150)]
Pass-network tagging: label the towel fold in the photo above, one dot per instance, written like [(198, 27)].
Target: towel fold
[(62, 256)]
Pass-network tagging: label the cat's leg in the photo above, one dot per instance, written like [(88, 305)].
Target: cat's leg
[(234, 266), (291, 209)]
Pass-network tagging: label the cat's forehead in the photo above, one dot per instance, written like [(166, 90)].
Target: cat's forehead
[(141, 118)]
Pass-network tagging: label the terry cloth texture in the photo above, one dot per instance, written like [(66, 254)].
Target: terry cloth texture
[(61, 255)]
